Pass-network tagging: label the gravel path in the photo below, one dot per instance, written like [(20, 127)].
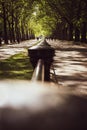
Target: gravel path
[(70, 61), (43, 106), (70, 64), (8, 50)]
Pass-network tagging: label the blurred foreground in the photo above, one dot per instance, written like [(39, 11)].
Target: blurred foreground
[(41, 106)]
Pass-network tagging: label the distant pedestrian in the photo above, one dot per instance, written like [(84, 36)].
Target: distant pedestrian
[(37, 38)]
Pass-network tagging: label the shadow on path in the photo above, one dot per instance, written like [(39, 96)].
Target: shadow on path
[(70, 64)]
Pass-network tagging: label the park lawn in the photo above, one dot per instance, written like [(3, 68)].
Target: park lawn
[(16, 67)]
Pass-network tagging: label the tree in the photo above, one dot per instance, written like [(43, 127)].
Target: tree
[(83, 20), (62, 19), (15, 15), (3, 15), (42, 21), (71, 14)]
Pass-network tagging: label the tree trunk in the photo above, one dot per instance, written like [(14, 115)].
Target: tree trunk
[(83, 32), (0, 41), (70, 35), (22, 32), (27, 35), (10, 34), (18, 35), (13, 33), (64, 33), (77, 34), (17, 32), (5, 23)]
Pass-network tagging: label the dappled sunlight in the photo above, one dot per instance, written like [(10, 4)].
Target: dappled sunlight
[(16, 67), (70, 64), (6, 53), (68, 69), (9, 50)]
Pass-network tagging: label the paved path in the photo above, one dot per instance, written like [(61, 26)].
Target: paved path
[(70, 64), (70, 61), (45, 107), (8, 50)]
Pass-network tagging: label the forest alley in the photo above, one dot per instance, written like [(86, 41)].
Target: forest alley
[(70, 61)]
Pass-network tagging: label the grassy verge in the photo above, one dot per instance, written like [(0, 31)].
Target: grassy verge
[(16, 67)]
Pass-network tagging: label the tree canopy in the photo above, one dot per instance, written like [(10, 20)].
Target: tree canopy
[(25, 19)]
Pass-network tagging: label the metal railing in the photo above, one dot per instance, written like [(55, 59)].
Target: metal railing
[(38, 74), (42, 57)]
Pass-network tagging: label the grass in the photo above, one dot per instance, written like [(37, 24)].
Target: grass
[(16, 67)]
